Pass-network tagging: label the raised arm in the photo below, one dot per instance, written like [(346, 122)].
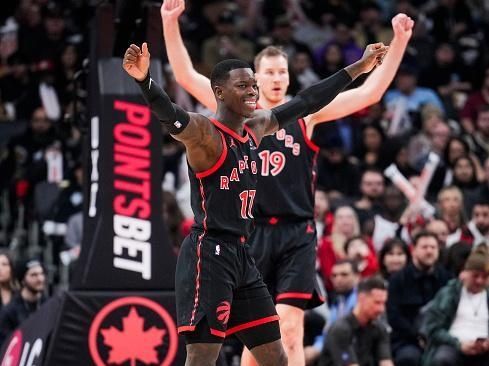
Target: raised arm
[(372, 90), (193, 82), (312, 99), (201, 139)]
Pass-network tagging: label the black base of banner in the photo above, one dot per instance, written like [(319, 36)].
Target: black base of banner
[(82, 328)]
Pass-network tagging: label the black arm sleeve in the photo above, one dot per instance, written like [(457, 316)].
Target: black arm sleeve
[(174, 118), (312, 99)]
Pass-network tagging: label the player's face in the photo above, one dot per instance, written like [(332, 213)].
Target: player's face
[(240, 92), (272, 76)]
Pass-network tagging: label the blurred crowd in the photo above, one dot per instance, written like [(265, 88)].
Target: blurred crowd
[(368, 223)]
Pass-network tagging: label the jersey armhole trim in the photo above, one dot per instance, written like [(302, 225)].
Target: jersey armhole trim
[(309, 143), (218, 163), (252, 134)]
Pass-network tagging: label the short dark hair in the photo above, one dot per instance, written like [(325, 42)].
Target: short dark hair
[(220, 72), (424, 234), (372, 283), (270, 51), (353, 264)]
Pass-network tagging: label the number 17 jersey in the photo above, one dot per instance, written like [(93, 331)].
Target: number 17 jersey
[(223, 196)]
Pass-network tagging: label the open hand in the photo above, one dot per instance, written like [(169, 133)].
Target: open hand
[(402, 26), (172, 9), (136, 61), (373, 55)]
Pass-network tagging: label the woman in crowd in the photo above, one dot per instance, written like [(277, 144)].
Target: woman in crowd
[(393, 257), (332, 248), (8, 284)]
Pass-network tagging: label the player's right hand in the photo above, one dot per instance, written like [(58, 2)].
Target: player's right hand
[(172, 9), (136, 61), (402, 26)]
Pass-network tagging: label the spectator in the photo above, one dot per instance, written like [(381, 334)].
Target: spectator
[(332, 60), (444, 77), (386, 223), (363, 254), (373, 137), (226, 43), (479, 223), (423, 277), (30, 274), (322, 214), (372, 188), (336, 173), (8, 283), (370, 27), (479, 139), (407, 92), (393, 257), (455, 257), (457, 320), (440, 229), (282, 36), (345, 278), (465, 174), (343, 37), (331, 248), (475, 101), (302, 74), (359, 338), (451, 210), (421, 144)]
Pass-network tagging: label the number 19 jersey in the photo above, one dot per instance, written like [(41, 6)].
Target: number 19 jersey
[(222, 197)]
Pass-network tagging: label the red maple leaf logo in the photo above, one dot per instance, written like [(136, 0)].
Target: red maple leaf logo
[(222, 312), (133, 342)]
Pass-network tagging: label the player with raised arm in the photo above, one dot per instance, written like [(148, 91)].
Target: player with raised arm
[(286, 257), (216, 279)]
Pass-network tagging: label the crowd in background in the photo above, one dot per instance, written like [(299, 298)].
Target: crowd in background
[(438, 103)]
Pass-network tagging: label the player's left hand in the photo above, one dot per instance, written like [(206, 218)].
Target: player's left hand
[(136, 61), (373, 55), (403, 26)]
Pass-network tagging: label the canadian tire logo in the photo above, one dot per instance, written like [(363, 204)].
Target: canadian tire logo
[(133, 331), (14, 348)]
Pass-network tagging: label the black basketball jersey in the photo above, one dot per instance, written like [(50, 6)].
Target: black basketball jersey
[(223, 196), (288, 170)]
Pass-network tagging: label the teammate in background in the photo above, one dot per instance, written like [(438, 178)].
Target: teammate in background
[(285, 257), (216, 279)]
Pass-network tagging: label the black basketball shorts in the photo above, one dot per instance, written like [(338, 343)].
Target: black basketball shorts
[(285, 254), (219, 292)]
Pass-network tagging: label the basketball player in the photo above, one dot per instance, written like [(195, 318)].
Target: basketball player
[(285, 199), (219, 290)]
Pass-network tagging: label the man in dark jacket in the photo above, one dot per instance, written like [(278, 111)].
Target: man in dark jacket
[(457, 320), (33, 281), (409, 290)]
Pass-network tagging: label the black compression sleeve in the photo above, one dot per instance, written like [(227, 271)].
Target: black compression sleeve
[(170, 115), (312, 99)]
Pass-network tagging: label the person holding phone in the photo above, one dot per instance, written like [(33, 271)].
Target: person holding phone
[(457, 321)]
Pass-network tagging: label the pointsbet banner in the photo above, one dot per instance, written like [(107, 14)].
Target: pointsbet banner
[(124, 245)]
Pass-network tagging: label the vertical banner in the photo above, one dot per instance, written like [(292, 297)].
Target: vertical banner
[(125, 244)]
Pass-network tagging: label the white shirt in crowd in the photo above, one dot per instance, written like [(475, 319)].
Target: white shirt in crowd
[(472, 318)]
